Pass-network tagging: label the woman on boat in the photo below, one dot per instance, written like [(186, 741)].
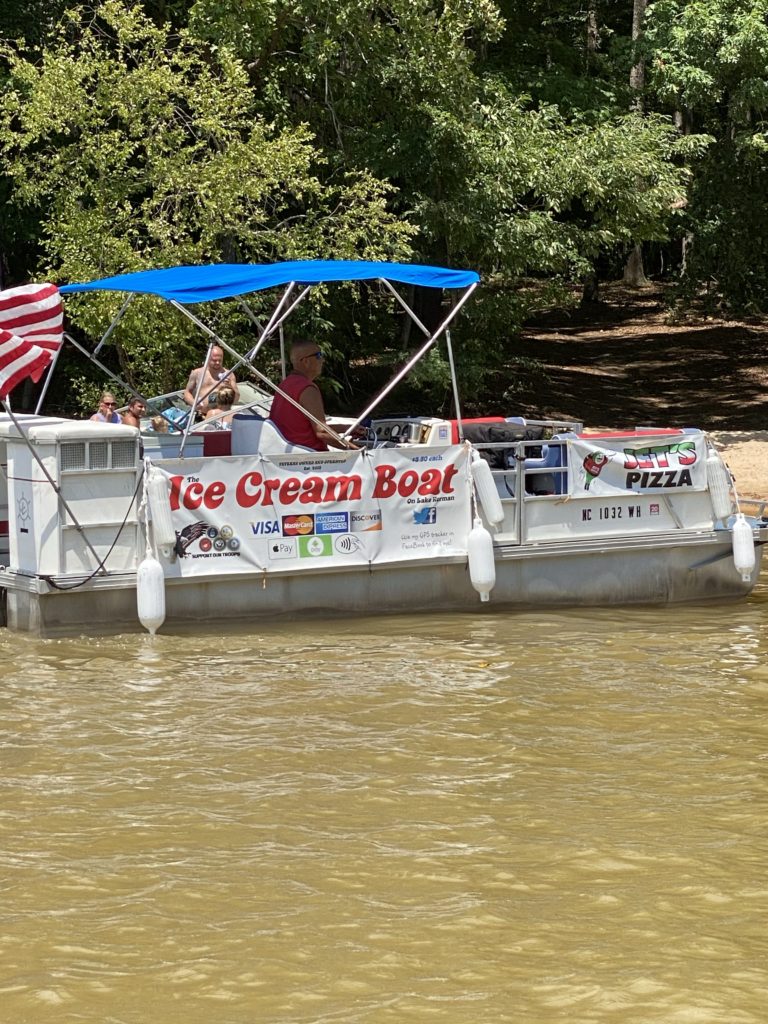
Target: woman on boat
[(225, 400), (106, 412)]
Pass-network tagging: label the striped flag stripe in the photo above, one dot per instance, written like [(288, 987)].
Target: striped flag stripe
[(26, 293), (33, 311), (31, 332), (19, 359)]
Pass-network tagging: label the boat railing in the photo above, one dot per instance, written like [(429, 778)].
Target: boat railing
[(532, 477), (528, 468)]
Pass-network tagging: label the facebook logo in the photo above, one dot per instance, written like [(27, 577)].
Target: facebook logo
[(426, 516)]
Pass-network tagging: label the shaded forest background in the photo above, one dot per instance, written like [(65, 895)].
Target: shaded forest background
[(626, 362), (551, 146)]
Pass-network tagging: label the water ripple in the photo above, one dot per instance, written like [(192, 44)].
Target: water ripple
[(538, 818)]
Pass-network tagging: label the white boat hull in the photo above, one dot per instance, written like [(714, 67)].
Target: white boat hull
[(267, 535), (656, 573)]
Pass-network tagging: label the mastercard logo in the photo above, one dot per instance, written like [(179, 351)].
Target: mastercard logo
[(298, 525)]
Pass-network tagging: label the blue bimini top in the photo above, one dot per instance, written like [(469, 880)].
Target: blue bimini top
[(187, 285)]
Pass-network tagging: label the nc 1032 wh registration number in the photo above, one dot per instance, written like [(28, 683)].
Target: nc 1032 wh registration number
[(590, 515)]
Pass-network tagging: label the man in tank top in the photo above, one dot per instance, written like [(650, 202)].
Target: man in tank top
[(307, 363)]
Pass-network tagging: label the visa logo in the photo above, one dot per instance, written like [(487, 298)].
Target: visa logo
[(265, 526)]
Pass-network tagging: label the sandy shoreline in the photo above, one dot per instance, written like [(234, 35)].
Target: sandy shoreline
[(746, 453)]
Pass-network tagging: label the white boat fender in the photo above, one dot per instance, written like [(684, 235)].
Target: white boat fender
[(160, 507), (485, 488), (482, 566), (150, 594), (743, 542), (719, 483)]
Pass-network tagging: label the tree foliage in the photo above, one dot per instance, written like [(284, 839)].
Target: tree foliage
[(709, 63), (495, 134), (145, 149)]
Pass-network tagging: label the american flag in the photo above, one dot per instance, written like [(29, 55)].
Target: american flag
[(31, 331)]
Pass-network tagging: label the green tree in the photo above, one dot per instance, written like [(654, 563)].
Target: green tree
[(708, 63), (495, 136), (145, 149), (450, 102)]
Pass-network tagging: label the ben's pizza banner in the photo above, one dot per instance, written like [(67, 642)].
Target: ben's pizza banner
[(294, 511), (601, 468)]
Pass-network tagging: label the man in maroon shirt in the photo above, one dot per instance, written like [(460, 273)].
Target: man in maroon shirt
[(307, 362)]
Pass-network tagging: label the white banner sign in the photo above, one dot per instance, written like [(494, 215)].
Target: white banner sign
[(603, 467), (294, 512)]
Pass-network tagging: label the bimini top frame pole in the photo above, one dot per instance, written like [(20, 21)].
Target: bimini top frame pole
[(113, 325), (449, 349), (244, 359), (413, 360), (182, 286)]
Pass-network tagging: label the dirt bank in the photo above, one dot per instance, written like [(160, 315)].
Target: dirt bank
[(623, 363), (747, 457)]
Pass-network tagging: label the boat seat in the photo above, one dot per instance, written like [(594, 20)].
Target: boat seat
[(553, 456), (536, 481), (254, 435), (468, 426), (217, 443)]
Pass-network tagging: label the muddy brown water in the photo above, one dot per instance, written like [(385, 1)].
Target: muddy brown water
[(531, 818)]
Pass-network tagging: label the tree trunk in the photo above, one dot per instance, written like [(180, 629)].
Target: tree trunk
[(634, 271), (593, 34), (590, 289), (637, 72)]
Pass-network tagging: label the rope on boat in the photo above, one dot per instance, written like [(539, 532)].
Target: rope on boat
[(101, 567)]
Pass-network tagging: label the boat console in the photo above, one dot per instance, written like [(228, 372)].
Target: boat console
[(430, 430), (411, 430)]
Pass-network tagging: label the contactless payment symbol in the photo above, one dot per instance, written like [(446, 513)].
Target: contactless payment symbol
[(315, 547), (348, 544)]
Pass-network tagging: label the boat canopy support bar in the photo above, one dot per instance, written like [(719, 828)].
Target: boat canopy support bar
[(448, 346), (413, 360), (254, 370), (424, 330), (111, 374), (278, 317), (49, 374), (114, 323)]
